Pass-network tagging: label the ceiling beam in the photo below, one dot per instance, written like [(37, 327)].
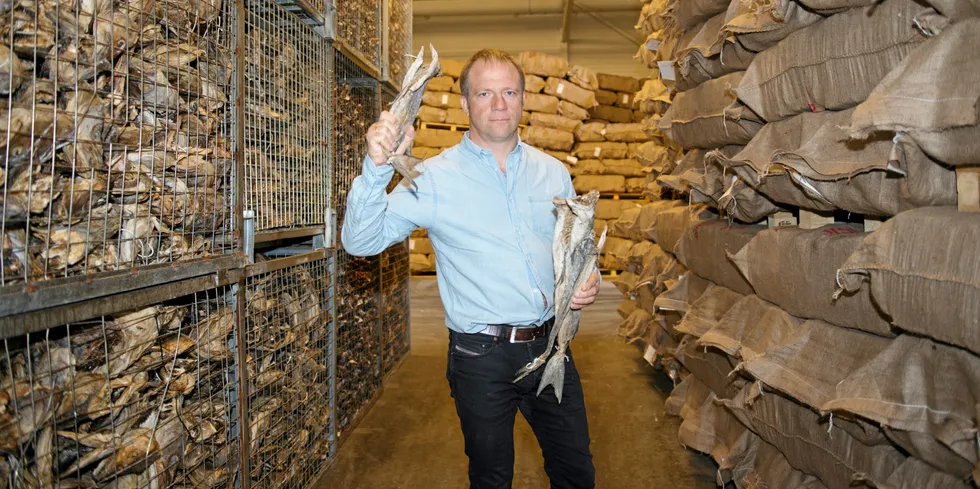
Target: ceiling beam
[(631, 37), (566, 21)]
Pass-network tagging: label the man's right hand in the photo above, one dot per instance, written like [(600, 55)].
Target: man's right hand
[(382, 136)]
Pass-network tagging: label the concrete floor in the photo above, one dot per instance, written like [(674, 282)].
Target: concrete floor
[(411, 438)]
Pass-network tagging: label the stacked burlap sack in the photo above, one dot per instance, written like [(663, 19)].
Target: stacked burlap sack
[(441, 104), (421, 257), (828, 357)]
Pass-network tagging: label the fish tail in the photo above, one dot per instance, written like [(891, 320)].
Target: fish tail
[(554, 375), (404, 165), (527, 369)]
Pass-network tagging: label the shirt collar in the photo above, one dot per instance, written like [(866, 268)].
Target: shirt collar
[(468, 145)]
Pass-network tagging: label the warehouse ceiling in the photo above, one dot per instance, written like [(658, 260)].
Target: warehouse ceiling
[(599, 33)]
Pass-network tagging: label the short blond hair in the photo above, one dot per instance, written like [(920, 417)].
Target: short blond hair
[(490, 55)]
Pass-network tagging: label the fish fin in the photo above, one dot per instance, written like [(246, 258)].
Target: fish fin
[(413, 69), (430, 71), (405, 166), (554, 375), (531, 367)]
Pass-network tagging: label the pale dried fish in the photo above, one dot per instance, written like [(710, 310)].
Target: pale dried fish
[(12, 71), (575, 254), (405, 108), (87, 110), (135, 333)]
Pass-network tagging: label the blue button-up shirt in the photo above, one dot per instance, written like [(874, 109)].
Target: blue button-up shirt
[(492, 234)]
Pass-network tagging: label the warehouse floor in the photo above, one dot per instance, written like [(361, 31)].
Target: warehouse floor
[(411, 438)]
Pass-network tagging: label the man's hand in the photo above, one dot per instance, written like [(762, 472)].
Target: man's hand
[(381, 138), (587, 293)]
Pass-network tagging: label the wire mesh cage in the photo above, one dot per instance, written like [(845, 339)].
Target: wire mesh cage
[(359, 369), (359, 26), (394, 306), (143, 398), (116, 135), (287, 90), (355, 109), (399, 39), (289, 341)]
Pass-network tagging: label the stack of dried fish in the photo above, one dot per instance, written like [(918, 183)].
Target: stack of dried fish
[(114, 155), (394, 299), (399, 39), (353, 114), (137, 400), (288, 344), (287, 109), (358, 336), (359, 25)]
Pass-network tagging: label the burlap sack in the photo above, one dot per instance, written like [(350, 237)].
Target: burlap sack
[(621, 226), (797, 269), (549, 138), (611, 114), (652, 17), (923, 267), (759, 27), (704, 248), (652, 155), (635, 326), (647, 219), (423, 153), (706, 312), (431, 114), (641, 253), (930, 92), (689, 395), (756, 464), (653, 190), (554, 122), (833, 6), (702, 58), (457, 116), (572, 111), (618, 249), (451, 67), (624, 282), (456, 88), (525, 118), (599, 225), (440, 84), (590, 132), (420, 245), (626, 308), (635, 185), (612, 209), (837, 458), (561, 156), (613, 151), (655, 267), (583, 77), (912, 474), (617, 83), (420, 233), (418, 263), (690, 164), (626, 168), (832, 64), (806, 161), (534, 83), (587, 167), (711, 367), (437, 138), (931, 389), (673, 223), (565, 90), (750, 328), (538, 102), (689, 13), (441, 100), (684, 293), (626, 133), (543, 65), (709, 116), (711, 430), (653, 98), (605, 97)]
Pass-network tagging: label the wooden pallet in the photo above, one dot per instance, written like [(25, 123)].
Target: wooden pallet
[(813, 220), (444, 126), (621, 196)]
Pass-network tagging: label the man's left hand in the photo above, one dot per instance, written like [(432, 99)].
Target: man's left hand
[(587, 293)]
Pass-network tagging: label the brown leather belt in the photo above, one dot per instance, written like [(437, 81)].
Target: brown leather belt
[(518, 334)]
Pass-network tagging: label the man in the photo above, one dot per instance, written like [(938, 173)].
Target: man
[(487, 205)]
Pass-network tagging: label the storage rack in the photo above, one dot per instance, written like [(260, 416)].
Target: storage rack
[(171, 290)]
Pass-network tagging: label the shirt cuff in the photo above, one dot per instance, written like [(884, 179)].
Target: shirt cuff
[(374, 175)]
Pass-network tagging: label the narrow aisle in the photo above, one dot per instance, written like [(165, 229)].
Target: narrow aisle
[(411, 438)]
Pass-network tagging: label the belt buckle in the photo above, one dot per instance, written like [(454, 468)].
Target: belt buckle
[(513, 334)]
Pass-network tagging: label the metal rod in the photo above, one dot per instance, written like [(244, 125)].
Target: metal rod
[(278, 264)]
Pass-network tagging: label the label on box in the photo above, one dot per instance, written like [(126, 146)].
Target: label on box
[(650, 354), (603, 132), (653, 44), (571, 159), (597, 152), (666, 70), (561, 88), (626, 98), (411, 245), (445, 99)]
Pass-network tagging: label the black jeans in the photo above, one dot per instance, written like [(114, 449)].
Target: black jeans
[(481, 370)]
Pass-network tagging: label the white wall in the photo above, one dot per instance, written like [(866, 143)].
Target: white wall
[(457, 34)]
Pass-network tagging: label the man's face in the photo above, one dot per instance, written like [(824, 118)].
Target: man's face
[(495, 101)]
